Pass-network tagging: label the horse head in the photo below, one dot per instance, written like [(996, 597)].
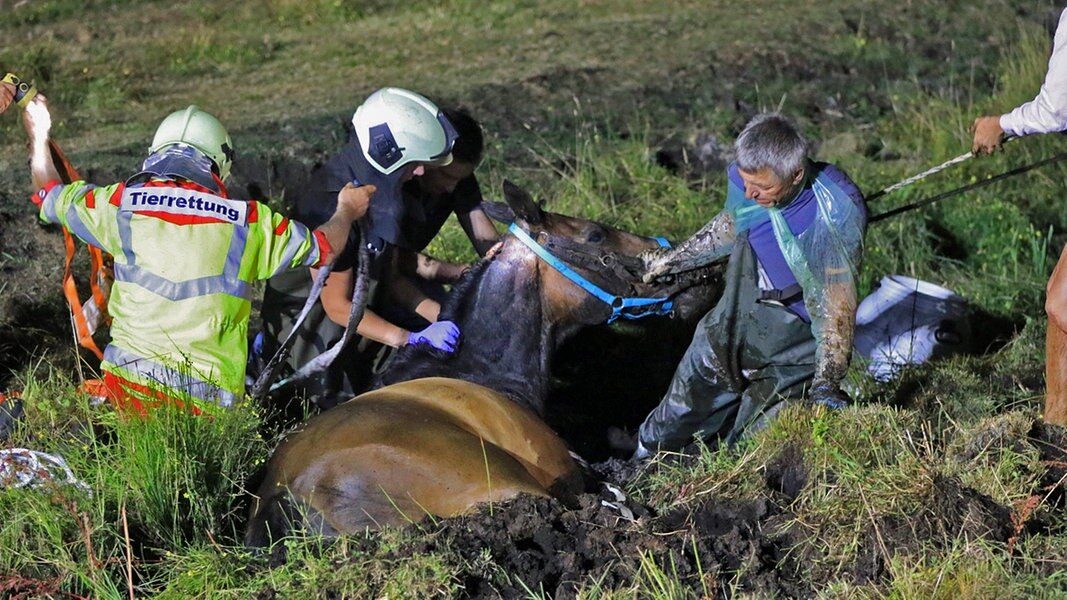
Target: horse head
[(590, 272)]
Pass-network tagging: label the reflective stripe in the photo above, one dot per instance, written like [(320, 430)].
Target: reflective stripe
[(321, 249), (282, 225), (77, 227), (228, 282), (123, 219), (181, 290), (48, 205), (238, 242), (299, 237), (166, 377)]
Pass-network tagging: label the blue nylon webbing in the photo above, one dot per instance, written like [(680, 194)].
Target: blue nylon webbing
[(618, 304)]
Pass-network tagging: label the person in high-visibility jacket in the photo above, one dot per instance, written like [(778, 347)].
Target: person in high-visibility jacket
[(185, 257)]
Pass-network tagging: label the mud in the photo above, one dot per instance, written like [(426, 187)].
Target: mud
[(951, 512), (718, 548), (537, 544)]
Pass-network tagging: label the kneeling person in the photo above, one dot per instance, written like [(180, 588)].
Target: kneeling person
[(185, 254), (793, 230)]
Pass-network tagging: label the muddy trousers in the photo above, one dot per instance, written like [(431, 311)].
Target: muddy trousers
[(747, 360)]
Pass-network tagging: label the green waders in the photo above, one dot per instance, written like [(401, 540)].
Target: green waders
[(746, 361)]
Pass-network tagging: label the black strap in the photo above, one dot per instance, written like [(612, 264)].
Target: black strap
[(264, 383), (784, 295)]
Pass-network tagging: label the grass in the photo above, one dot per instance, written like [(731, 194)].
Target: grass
[(576, 98)]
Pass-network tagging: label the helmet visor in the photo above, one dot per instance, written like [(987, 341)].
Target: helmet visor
[(444, 157)]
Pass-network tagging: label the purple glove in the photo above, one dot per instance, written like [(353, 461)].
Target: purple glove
[(442, 335)]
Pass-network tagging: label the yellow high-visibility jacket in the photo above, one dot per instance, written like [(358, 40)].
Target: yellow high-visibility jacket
[(185, 259)]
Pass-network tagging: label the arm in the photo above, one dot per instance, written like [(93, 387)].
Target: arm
[(403, 289), (834, 349), (352, 204), (479, 229), (7, 93), (713, 241), (833, 260), (337, 301), (1046, 113), (482, 235), (834, 346), (38, 123), (417, 264)]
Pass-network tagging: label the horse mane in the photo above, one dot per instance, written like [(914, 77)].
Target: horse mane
[(499, 347), (462, 288)]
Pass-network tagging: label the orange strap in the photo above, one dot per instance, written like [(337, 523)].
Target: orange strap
[(97, 269), (129, 397), (70, 291)]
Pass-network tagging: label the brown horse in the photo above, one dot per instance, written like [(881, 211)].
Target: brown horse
[(448, 432)]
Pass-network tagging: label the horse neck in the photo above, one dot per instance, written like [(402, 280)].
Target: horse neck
[(506, 340)]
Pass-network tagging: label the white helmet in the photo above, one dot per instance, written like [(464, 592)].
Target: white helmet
[(196, 128), (396, 127)]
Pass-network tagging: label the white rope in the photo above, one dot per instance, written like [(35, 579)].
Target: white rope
[(923, 175), (22, 467), (920, 176)]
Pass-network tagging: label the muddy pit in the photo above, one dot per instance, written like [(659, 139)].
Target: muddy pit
[(717, 547)]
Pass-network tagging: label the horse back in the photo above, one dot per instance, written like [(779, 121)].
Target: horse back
[(429, 446)]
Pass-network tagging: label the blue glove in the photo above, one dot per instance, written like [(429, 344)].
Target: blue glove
[(442, 335), (829, 395)]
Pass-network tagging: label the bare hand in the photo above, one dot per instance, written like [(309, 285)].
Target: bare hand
[(7, 94), (492, 252), (988, 134), (36, 119), (355, 200)]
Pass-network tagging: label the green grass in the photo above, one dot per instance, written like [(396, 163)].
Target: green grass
[(576, 98)]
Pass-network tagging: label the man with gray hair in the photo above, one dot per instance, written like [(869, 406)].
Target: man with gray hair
[(793, 230)]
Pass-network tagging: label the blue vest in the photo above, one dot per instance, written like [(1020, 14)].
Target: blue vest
[(799, 215)]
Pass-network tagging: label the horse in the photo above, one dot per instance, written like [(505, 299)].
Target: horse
[(442, 434)]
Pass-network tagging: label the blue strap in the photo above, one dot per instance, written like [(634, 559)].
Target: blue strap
[(618, 304)]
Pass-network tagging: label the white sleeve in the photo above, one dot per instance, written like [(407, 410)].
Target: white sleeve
[(1048, 111)]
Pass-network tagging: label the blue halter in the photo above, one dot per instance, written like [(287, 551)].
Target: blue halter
[(620, 307)]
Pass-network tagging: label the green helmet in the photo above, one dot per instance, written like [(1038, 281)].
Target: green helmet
[(198, 129), (396, 127)]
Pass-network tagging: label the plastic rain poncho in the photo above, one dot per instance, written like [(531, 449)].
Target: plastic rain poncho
[(747, 356), (824, 258)]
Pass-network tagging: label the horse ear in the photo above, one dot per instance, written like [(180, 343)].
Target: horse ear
[(522, 204), (497, 211)]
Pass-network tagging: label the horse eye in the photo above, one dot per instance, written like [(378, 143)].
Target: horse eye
[(595, 237)]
